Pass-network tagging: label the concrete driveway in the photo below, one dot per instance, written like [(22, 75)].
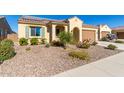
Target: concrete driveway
[(104, 43), (107, 67)]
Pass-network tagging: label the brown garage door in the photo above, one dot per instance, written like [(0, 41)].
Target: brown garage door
[(120, 35), (104, 33), (89, 34)]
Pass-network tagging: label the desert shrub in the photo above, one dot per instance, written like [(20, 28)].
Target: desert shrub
[(79, 54), (79, 45), (28, 49), (65, 37), (7, 42), (43, 41), (34, 41), (23, 41), (6, 52), (111, 47), (73, 42), (94, 43), (47, 45), (104, 39), (86, 43), (86, 46), (57, 43), (119, 41)]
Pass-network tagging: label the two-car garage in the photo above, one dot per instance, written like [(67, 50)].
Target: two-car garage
[(89, 34)]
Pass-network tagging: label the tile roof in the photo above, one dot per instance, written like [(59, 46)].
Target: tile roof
[(89, 26), (102, 25), (38, 20), (118, 28)]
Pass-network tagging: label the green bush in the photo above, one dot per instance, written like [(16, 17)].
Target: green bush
[(111, 47), (7, 42), (6, 51), (65, 37), (119, 41), (57, 43), (104, 39), (47, 45), (34, 41), (79, 54), (23, 41), (28, 49), (73, 42), (94, 43)]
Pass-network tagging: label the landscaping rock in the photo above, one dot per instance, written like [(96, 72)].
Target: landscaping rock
[(42, 61)]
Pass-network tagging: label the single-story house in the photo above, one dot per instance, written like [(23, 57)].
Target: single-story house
[(103, 30), (119, 31), (5, 28), (35, 27)]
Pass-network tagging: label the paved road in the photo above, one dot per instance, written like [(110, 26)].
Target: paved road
[(107, 67)]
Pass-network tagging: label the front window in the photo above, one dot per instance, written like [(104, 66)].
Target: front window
[(35, 31)]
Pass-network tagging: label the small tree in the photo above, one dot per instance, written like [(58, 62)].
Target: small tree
[(65, 37)]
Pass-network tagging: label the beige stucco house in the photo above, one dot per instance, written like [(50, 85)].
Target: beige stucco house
[(35, 27), (103, 30)]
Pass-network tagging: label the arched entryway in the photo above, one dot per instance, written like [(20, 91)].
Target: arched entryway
[(76, 34)]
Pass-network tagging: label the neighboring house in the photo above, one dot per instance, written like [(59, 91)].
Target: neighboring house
[(103, 30), (4, 28), (119, 31), (35, 27)]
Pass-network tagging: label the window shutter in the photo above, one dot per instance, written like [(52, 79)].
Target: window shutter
[(43, 32), (27, 32)]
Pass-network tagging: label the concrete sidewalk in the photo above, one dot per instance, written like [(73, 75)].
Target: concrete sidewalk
[(107, 67)]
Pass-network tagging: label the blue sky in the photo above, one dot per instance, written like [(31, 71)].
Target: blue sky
[(111, 20)]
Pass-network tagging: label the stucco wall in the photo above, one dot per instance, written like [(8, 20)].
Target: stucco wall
[(21, 30)]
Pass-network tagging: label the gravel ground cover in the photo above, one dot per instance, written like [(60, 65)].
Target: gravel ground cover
[(41, 61)]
